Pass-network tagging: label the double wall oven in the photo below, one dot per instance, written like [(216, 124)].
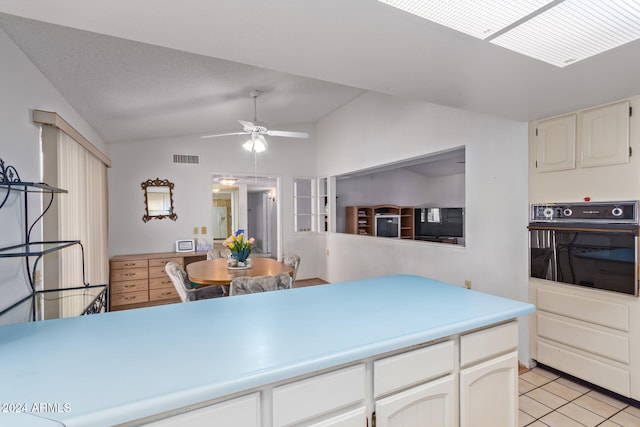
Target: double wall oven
[(588, 244)]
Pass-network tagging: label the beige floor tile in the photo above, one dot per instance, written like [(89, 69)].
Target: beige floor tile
[(546, 398), (524, 419), (607, 399), (596, 406), (562, 390), (573, 385), (538, 424), (525, 386), (626, 419), (556, 419), (609, 423), (534, 378), (633, 410), (541, 371), (533, 407), (580, 414)]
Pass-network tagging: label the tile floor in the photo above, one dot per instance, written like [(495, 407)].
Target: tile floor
[(549, 400)]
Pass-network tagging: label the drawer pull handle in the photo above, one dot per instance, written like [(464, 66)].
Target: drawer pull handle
[(129, 298), (129, 264), (130, 274)]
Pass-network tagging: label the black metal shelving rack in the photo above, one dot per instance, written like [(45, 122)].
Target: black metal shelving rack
[(9, 182)]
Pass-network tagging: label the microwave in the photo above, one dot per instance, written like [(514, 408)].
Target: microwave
[(387, 225)]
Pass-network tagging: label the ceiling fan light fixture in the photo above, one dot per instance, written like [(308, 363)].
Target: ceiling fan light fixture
[(248, 145)]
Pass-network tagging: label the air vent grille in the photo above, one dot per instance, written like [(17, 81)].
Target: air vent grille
[(186, 158)]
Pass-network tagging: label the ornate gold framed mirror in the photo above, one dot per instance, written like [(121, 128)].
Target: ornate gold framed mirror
[(158, 199)]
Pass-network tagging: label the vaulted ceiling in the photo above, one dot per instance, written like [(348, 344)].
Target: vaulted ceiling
[(145, 69)]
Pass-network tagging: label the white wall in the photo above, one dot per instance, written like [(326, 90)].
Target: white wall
[(24, 89), (377, 129), (137, 161)]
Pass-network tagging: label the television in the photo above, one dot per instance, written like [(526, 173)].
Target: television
[(387, 225), (439, 222)]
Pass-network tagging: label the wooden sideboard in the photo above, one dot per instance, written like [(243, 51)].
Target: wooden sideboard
[(141, 281)]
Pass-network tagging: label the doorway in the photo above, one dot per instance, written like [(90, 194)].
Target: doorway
[(250, 203)]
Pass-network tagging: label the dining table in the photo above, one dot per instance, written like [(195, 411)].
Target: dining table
[(216, 271)]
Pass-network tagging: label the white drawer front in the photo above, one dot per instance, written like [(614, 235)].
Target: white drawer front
[(487, 343), (599, 311), (413, 367), (318, 395), (592, 340), (241, 411), (586, 368), (354, 418)]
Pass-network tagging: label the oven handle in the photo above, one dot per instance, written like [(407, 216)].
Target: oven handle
[(608, 228)]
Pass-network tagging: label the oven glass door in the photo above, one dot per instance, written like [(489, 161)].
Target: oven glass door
[(594, 258)]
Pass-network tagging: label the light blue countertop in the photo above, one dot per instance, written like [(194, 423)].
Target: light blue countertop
[(115, 367)]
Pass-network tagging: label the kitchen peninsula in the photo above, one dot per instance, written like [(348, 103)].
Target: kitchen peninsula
[(325, 355)]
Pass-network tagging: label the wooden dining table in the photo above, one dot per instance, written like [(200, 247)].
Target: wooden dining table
[(215, 272)]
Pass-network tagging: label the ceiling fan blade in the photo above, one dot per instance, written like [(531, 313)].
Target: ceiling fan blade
[(287, 134), (248, 126), (224, 134)]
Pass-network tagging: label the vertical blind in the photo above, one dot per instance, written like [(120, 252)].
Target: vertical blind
[(82, 215)]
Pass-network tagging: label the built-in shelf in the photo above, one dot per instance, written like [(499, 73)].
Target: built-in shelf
[(31, 187), (35, 248)]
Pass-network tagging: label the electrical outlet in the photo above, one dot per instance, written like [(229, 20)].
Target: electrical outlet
[(467, 284), (195, 230), (203, 230)]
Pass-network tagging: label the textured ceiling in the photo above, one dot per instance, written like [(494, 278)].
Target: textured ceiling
[(141, 69)]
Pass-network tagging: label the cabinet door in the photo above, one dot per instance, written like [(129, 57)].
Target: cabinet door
[(489, 393), (556, 144), (241, 411), (604, 135), (430, 404)]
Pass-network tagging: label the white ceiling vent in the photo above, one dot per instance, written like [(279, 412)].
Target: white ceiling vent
[(186, 158)]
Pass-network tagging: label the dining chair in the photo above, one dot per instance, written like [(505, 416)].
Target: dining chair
[(294, 261), (214, 254), (249, 285), (183, 286)]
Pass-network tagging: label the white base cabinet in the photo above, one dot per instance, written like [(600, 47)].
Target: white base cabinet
[(489, 393), (467, 380), (431, 404)]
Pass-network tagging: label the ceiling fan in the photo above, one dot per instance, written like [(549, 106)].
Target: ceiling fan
[(258, 130)]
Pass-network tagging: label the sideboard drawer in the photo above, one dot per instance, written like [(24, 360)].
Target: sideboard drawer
[(129, 298), (160, 262), (129, 286), (157, 271), (133, 263), (160, 282), (129, 274), (162, 294)]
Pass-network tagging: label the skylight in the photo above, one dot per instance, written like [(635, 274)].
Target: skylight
[(557, 32)]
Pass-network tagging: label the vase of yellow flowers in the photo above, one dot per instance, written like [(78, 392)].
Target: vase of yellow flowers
[(240, 248)]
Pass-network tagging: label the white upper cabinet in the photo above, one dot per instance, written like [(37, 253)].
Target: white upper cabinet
[(604, 135), (556, 144)]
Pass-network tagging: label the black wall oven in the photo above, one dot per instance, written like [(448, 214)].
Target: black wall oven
[(587, 244)]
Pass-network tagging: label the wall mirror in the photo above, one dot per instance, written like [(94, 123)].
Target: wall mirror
[(158, 199)]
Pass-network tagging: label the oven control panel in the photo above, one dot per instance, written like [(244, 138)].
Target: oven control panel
[(603, 212)]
